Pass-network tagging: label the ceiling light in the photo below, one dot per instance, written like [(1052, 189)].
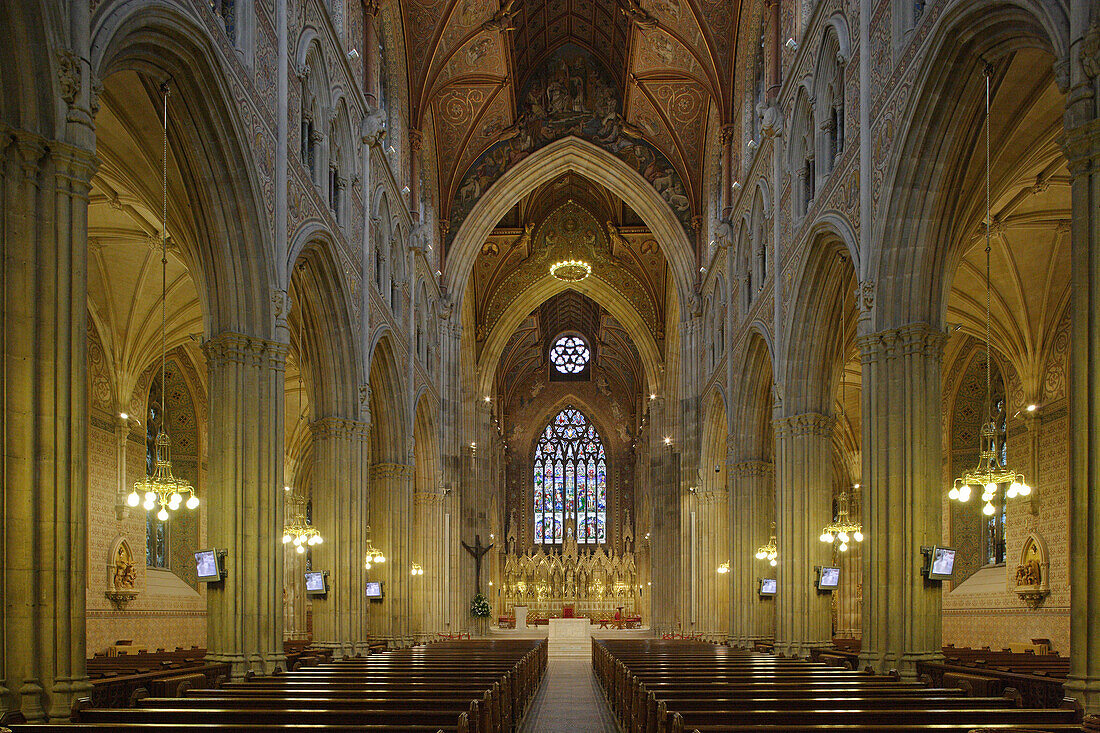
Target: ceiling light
[(991, 470), (161, 487), (571, 271)]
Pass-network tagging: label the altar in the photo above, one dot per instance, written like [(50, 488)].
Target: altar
[(570, 637)]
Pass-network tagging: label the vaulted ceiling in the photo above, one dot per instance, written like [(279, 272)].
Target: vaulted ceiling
[(469, 61), (616, 369)]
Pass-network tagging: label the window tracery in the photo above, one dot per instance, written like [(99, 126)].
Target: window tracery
[(570, 481), (570, 354)]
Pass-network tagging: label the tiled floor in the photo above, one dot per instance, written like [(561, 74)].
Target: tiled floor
[(569, 701)]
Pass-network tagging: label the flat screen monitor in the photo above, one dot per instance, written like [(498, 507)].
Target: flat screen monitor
[(315, 584), (767, 586), (374, 589), (208, 566), (941, 566), (829, 578)]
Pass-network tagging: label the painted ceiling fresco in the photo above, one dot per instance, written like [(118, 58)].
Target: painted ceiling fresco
[(494, 81)]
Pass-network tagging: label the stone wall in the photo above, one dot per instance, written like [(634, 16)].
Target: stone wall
[(983, 609), (167, 611)]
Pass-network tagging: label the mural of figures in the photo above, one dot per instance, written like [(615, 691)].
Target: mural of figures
[(571, 94)]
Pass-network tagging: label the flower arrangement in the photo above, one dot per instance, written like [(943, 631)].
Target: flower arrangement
[(479, 607)]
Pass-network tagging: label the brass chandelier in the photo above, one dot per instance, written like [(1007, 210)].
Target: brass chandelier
[(161, 487), (571, 271), (842, 529), (299, 530), (768, 551), (372, 555), (991, 470)]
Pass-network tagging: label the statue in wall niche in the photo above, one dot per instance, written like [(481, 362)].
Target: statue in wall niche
[(511, 540), (125, 573), (1028, 574)]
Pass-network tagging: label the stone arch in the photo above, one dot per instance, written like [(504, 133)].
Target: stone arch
[(325, 334), (545, 288), (548, 163), (801, 152), (916, 235), (388, 406), (715, 436), (207, 135), (425, 444), (753, 398), (822, 323), (829, 103), (761, 253), (343, 164)]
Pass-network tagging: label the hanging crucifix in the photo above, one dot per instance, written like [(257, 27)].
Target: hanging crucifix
[(477, 551)]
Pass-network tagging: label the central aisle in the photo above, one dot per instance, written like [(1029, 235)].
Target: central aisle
[(569, 699)]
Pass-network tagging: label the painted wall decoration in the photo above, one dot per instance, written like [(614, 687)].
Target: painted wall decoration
[(571, 93)]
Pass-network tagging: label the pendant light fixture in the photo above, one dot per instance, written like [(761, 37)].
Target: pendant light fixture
[(372, 555), (843, 529), (161, 487), (299, 530), (991, 470), (768, 551)]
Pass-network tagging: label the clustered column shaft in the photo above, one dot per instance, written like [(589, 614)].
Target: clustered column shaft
[(340, 455), (803, 506), (245, 501)]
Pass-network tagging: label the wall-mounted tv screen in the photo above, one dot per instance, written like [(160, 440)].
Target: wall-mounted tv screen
[(829, 578), (208, 566), (315, 584), (374, 589), (767, 586), (941, 565)]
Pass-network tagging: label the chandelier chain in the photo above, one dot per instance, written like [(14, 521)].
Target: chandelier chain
[(988, 287), (165, 91)]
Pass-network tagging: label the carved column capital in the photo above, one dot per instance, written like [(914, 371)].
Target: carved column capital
[(806, 423)]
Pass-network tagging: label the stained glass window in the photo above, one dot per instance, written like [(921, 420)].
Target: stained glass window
[(570, 480), (569, 354)]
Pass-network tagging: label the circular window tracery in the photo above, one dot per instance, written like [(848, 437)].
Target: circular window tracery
[(570, 354)]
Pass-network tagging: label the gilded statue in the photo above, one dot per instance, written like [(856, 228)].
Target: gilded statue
[(125, 573)]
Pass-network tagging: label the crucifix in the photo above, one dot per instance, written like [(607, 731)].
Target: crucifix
[(477, 551)]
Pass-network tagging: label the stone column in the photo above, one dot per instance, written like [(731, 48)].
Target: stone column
[(712, 602), (902, 495), (848, 599), (428, 595), (245, 501), (1082, 149), (371, 60), (751, 509), (391, 520), (340, 450), (803, 504), (664, 542), (43, 535)]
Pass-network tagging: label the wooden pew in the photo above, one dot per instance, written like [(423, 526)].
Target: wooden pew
[(470, 686), (656, 686)]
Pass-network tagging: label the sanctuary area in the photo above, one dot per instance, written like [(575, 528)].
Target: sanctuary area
[(550, 365)]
